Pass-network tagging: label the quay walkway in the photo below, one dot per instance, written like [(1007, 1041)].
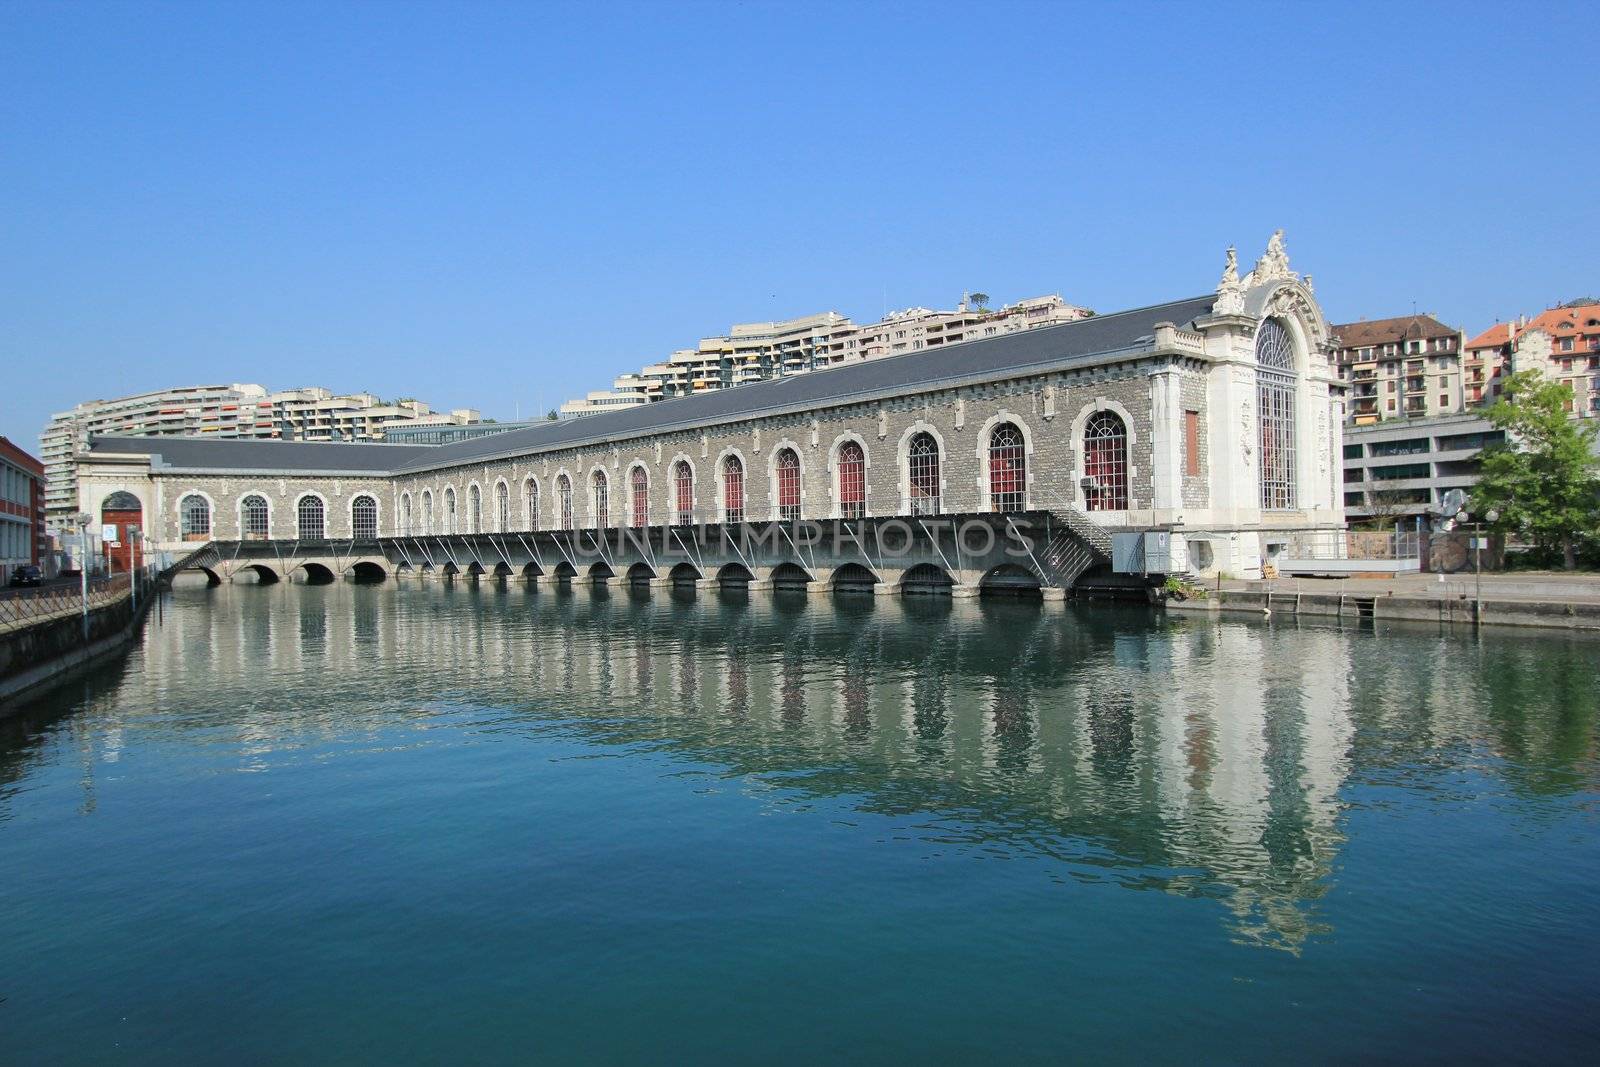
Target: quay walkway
[(1536, 599)]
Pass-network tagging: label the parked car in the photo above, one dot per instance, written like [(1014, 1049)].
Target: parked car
[(27, 574)]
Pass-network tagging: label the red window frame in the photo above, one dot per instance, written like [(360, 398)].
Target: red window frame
[(683, 490), (732, 489), (1105, 459), (852, 480), (1008, 469), (788, 484), (639, 486)]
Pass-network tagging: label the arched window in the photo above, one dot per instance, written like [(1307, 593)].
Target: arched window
[(364, 517), (683, 492), (502, 507), (195, 512), (254, 517), (1105, 462), (474, 509), (852, 481), (639, 487), (308, 518), (1008, 469), (732, 489), (788, 484), (564, 500), (602, 500), (922, 474), (450, 509), (530, 502), (427, 511), (1275, 389), (405, 514)]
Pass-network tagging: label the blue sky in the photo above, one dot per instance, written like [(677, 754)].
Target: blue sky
[(490, 205)]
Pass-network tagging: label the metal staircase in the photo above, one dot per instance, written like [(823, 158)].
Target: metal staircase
[(1075, 544), (206, 555)]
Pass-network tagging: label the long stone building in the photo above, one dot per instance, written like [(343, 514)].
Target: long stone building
[(1212, 421)]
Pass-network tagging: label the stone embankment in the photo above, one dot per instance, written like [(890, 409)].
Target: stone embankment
[(1551, 601), (44, 639)]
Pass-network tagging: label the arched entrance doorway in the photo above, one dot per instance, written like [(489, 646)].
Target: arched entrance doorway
[(119, 512)]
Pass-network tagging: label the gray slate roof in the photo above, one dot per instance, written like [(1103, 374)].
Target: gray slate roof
[(211, 453), (989, 357)]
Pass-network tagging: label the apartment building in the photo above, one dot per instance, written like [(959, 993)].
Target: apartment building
[(317, 414), (238, 410), (22, 536), (1394, 470), (1404, 367), (1487, 364), (425, 432), (1563, 344), (756, 351)]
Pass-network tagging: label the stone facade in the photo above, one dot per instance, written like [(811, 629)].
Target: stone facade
[(1190, 398), (962, 420)]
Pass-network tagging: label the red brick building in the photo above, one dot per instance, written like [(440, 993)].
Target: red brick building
[(22, 537)]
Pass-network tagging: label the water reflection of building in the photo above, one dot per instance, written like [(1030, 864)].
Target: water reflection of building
[(1211, 754), (1191, 758)]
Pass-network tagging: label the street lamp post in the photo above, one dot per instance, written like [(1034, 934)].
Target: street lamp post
[(1491, 517), (133, 535), (82, 519)]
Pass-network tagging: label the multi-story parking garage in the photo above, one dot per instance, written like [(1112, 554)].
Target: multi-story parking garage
[(1211, 423)]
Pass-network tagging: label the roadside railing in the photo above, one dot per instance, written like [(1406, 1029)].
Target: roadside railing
[(25, 607)]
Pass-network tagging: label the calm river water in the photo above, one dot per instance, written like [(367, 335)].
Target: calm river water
[(486, 824)]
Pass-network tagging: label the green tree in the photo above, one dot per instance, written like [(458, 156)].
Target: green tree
[(1542, 480), (551, 415)]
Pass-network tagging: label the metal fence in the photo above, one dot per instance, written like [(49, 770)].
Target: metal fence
[(1354, 544), (1385, 544), (27, 607)]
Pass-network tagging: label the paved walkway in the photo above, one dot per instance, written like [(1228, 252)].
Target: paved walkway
[(1547, 586)]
